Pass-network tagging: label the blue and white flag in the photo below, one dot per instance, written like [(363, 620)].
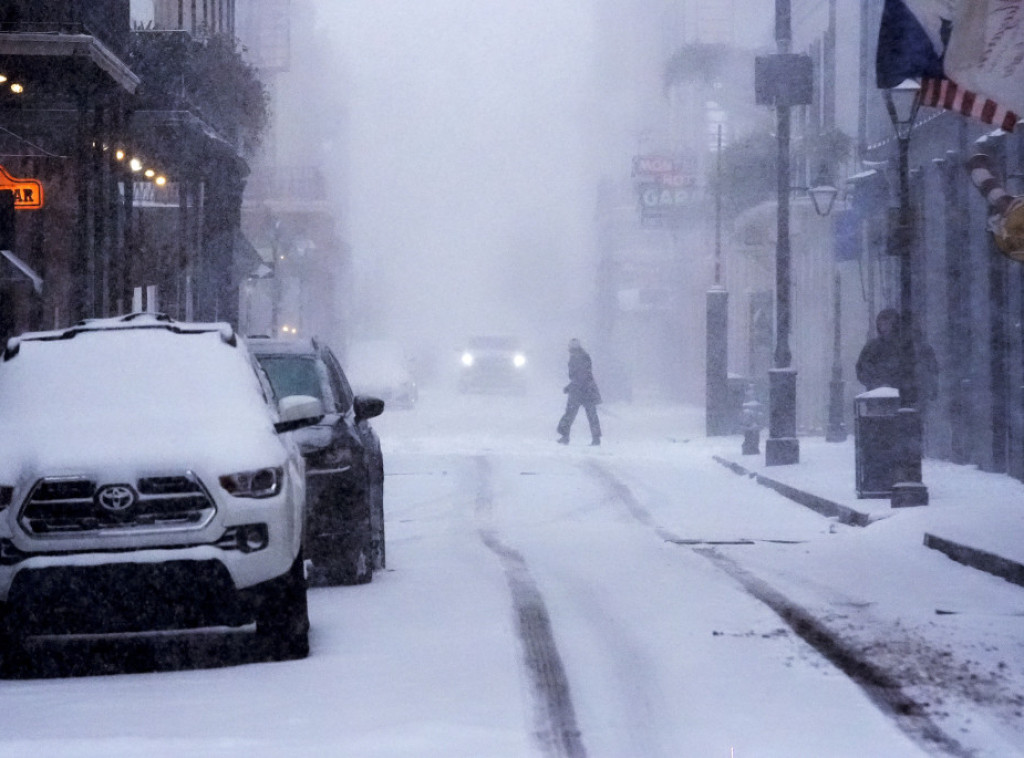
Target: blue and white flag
[(967, 54), (911, 41)]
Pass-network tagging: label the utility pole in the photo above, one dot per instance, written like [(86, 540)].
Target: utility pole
[(836, 431), (785, 81)]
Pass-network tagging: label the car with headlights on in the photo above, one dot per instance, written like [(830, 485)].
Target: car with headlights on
[(492, 363), (148, 483), (344, 463)]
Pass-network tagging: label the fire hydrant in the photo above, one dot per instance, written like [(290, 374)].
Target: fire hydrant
[(752, 422)]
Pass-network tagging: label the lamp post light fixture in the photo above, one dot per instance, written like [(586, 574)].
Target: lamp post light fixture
[(902, 103), (823, 196)]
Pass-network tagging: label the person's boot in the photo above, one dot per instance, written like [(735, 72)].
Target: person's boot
[(595, 441), (563, 440)]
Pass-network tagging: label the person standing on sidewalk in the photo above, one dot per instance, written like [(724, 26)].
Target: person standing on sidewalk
[(581, 390), (880, 363)]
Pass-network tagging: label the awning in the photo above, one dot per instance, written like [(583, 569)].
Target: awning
[(247, 263), (24, 268), (50, 45)]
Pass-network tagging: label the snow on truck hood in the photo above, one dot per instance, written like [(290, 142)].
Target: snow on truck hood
[(147, 397)]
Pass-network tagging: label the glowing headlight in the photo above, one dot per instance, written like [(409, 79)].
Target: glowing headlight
[(467, 359), (266, 482), (519, 360)]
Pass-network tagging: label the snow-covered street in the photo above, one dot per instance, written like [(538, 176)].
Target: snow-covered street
[(539, 600)]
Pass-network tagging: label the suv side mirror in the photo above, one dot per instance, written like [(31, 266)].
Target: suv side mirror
[(367, 407), (297, 411)]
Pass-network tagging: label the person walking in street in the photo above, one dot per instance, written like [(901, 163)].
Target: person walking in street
[(581, 390)]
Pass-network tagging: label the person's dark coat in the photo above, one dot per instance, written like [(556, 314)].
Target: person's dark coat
[(582, 386), (880, 363), (581, 391)]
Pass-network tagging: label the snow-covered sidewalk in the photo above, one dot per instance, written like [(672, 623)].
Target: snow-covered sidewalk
[(973, 516)]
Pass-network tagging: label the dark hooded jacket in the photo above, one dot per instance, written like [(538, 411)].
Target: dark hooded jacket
[(581, 377)]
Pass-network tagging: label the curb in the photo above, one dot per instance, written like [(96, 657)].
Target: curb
[(990, 563), (844, 514)]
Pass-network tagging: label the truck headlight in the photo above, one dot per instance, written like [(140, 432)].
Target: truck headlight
[(519, 360), (264, 482), (467, 359)]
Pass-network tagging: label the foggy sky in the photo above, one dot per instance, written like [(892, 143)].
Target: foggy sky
[(471, 171)]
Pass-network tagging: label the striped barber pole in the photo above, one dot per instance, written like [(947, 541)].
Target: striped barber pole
[(945, 94), (1007, 220), (980, 169)]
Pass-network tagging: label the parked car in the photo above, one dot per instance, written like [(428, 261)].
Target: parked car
[(344, 464), (147, 483), (380, 368), (492, 363)]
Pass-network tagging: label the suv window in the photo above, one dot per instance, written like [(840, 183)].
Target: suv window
[(297, 375), (339, 382)]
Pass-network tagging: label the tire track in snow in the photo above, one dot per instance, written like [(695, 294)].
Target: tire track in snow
[(623, 494), (554, 716), (878, 684)]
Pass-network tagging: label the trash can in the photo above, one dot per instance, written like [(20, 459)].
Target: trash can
[(876, 429)]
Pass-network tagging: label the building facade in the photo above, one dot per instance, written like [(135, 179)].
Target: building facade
[(194, 16), (141, 166), (967, 297), (302, 281)]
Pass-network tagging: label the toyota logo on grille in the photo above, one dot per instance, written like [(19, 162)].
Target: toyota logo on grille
[(116, 498)]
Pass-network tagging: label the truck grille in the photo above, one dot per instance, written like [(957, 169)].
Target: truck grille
[(73, 505)]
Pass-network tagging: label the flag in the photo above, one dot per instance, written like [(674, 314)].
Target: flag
[(966, 53), (848, 235), (986, 51), (910, 45), (948, 95)]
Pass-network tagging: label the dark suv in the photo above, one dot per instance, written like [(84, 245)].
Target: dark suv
[(344, 464)]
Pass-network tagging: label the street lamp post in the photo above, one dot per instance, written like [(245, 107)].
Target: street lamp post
[(902, 103), (782, 80), (719, 417), (782, 446), (836, 430), (823, 195)]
